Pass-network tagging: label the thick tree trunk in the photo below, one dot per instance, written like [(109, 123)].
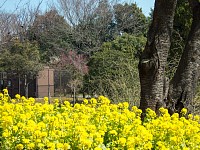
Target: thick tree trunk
[(184, 82), (154, 57)]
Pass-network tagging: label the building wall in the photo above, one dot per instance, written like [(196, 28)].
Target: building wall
[(45, 83)]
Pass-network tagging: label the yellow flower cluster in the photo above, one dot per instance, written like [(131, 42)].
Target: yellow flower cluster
[(96, 124)]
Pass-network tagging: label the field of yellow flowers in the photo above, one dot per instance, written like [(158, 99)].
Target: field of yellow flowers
[(96, 124)]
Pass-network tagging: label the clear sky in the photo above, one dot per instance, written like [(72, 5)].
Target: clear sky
[(146, 5), (9, 5)]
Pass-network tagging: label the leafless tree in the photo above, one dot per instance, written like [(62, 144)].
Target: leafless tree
[(18, 21), (77, 11)]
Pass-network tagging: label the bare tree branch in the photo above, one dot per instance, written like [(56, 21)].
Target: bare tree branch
[(3, 4)]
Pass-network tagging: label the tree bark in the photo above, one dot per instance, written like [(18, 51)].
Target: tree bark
[(184, 82), (154, 57)]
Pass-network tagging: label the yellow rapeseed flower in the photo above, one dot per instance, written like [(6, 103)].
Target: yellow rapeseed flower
[(148, 146), (113, 132), (85, 101), (46, 100), (97, 148), (31, 146), (66, 146), (17, 96), (93, 126), (19, 147), (93, 101), (122, 142), (184, 111), (25, 141)]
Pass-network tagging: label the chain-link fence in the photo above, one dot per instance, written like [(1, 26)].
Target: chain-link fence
[(52, 83), (66, 86)]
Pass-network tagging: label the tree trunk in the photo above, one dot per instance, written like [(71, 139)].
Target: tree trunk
[(154, 57), (184, 82)]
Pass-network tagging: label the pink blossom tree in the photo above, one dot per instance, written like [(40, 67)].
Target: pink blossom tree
[(76, 67)]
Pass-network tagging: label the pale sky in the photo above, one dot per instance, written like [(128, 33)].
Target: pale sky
[(10, 5), (146, 5)]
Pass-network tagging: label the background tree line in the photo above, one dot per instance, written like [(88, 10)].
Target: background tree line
[(85, 27), (96, 45)]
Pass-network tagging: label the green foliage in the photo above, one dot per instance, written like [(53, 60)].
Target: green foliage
[(106, 23), (182, 24), (183, 18), (113, 70), (130, 19), (87, 34), (52, 33), (97, 28), (21, 58)]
